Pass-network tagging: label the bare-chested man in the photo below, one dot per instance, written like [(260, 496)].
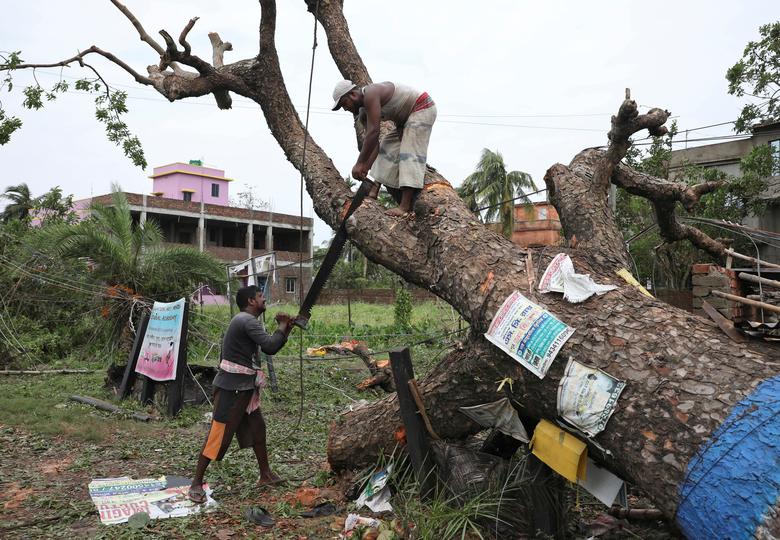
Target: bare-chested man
[(399, 161)]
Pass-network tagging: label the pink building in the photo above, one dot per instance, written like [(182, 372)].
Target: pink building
[(191, 182), (210, 224)]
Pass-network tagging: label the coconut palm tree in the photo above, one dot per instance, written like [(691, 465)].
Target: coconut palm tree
[(491, 186), (22, 202), (130, 258)]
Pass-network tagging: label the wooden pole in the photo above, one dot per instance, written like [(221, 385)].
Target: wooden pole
[(417, 444), (106, 406), (751, 259), (229, 294), (176, 386), (747, 301), (761, 280), (416, 395), (47, 371), (128, 379), (147, 391)]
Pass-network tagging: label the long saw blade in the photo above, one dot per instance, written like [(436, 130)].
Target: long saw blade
[(331, 257)]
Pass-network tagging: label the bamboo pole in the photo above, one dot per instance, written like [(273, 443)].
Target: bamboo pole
[(761, 280), (47, 371), (106, 406), (741, 300), (751, 259)]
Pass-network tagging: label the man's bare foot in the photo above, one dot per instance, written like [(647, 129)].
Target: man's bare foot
[(197, 494), (270, 479), (397, 212), (374, 193)]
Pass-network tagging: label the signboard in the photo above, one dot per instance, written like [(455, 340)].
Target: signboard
[(528, 333), (587, 397), (159, 352)]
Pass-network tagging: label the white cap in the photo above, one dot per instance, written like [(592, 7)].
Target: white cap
[(342, 88)]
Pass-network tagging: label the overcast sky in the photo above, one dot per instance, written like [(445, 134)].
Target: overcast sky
[(536, 81)]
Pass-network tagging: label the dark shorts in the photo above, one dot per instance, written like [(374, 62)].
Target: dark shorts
[(230, 418)]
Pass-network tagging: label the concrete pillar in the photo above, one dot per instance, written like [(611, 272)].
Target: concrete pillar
[(269, 238), (201, 233), (143, 212), (250, 240)]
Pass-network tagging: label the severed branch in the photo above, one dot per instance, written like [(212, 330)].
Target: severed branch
[(672, 230), (657, 189), (93, 49), (219, 47), (627, 122), (183, 36)]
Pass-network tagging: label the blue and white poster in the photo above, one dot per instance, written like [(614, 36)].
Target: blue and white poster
[(528, 333)]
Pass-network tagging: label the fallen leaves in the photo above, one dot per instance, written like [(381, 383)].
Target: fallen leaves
[(16, 495)]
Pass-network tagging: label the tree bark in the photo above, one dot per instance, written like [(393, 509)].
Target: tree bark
[(687, 384)]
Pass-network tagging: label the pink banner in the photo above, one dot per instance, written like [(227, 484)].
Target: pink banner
[(159, 353)]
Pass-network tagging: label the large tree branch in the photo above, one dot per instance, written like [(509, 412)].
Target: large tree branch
[(96, 50), (658, 189), (383, 239), (664, 195), (627, 122), (331, 15)]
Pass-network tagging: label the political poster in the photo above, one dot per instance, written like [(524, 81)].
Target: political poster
[(118, 499), (159, 353), (528, 333), (587, 397)]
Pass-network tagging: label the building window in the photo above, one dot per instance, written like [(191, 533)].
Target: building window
[(215, 190), (775, 146), (289, 284), (542, 213), (187, 196)]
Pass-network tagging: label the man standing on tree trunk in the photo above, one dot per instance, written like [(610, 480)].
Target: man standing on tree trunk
[(237, 389), (399, 160)]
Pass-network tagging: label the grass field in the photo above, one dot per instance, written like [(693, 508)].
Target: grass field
[(53, 447), (59, 445)]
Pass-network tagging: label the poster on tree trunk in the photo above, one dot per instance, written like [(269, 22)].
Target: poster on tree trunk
[(587, 397), (528, 333), (159, 354)]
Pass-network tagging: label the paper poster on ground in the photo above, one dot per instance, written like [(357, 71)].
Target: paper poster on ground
[(117, 499), (587, 397), (159, 353), (528, 333)]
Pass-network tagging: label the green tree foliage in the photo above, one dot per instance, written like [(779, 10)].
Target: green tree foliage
[(53, 207), (110, 106), (50, 207), (123, 252), (491, 185), (21, 203), (402, 308), (128, 259), (668, 265), (757, 75), (354, 271)]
